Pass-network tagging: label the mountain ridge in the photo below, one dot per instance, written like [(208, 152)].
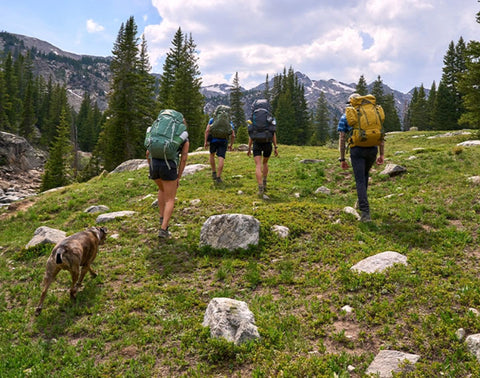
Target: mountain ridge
[(88, 73)]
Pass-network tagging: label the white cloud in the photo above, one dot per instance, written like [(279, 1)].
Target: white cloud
[(322, 38), (93, 27)]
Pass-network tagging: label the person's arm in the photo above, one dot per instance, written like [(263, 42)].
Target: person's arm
[(249, 146), (207, 130), (232, 137), (183, 160), (342, 129), (341, 149), (275, 145), (147, 154), (381, 157)]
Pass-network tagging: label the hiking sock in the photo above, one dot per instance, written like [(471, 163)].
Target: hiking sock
[(264, 184), (214, 175), (261, 190)]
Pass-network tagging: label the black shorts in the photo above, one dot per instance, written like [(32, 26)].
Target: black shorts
[(159, 170), (219, 146), (264, 149)]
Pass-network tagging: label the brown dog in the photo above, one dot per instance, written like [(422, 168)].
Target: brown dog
[(72, 253)]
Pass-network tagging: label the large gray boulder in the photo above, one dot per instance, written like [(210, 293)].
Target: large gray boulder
[(46, 235), (230, 231), (393, 170), (131, 165), (230, 319), (17, 154)]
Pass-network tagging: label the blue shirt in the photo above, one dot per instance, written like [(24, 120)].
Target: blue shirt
[(343, 125), (219, 139)]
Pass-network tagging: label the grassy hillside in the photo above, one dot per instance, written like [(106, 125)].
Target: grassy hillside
[(142, 315)]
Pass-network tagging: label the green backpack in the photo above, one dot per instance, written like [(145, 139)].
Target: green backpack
[(221, 127), (167, 133)]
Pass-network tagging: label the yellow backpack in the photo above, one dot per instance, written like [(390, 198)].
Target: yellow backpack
[(366, 118)]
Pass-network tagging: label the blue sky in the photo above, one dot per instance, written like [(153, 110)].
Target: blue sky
[(403, 41)]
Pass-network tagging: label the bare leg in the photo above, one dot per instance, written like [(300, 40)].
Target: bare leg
[(166, 199), (265, 168), (258, 169), (220, 166), (212, 165)]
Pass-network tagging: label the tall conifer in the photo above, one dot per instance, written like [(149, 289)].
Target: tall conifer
[(237, 112)]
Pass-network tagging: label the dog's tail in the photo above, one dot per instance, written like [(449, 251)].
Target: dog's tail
[(58, 256)]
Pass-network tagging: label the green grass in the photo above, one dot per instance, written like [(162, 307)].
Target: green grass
[(142, 315)]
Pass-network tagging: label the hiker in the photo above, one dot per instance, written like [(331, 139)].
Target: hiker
[(217, 132), (167, 161), (262, 134), (364, 143)]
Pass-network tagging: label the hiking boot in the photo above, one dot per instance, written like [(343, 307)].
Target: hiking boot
[(261, 190), (219, 180), (214, 176), (365, 217), (163, 234)]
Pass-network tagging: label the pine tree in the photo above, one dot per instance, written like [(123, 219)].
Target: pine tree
[(407, 124), (57, 168), (443, 115), (419, 111), (4, 100), (290, 109), (285, 117), (130, 108), (321, 122), (361, 88), (147, 104), (432, 95), (12, 96), (85, 132), (56, 102), (454, 67), (238, 115), (28, 118), (377, 90), (469, 84), (266, 91), (173, 60), (180, 85), (392, 120)]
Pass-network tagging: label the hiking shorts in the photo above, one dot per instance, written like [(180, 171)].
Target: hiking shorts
[(159, 170), (264, 149), (219, 146)]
